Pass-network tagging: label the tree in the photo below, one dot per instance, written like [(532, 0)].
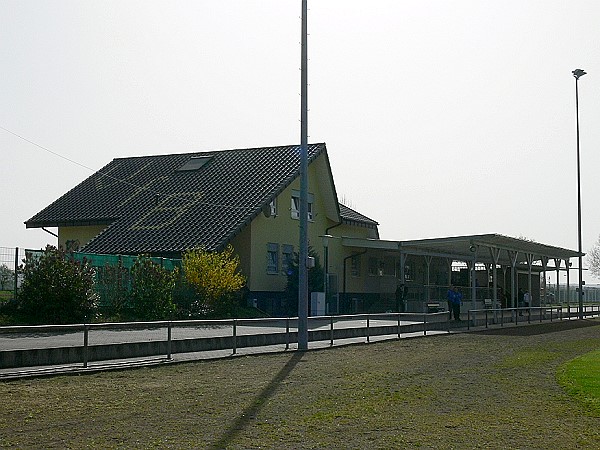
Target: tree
[(215, 277), (56, 289), (593, 258), (151, 296)]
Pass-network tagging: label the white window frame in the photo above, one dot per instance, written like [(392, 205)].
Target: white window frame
[(272, 258), (287, 257), (295, 206)]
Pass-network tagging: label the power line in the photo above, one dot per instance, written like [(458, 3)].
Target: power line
[(119, 180), (46, 149), (75, 162)]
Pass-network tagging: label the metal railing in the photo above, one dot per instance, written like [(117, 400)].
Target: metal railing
[(29, 346), (495, 316), (81, 344)]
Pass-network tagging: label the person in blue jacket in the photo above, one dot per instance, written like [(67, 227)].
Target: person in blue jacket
[(454, 301)]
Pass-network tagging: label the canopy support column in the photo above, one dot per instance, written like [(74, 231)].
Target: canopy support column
[(513, 272), (545, 268), (427, 278), (568, 267), (529, 264), (557, 262), (495, 254)]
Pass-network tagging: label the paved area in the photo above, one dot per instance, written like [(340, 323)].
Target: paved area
[(37, 340), (123, 334)]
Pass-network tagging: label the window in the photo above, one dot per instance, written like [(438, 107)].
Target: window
[(273, 207), (408, 273), (272, 258), (373, 266), (355, 266), (295, 205), (287, 258), (295, 208), (389, 268)]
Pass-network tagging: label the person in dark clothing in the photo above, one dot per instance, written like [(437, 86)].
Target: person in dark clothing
[(454, 301), (401, 297)]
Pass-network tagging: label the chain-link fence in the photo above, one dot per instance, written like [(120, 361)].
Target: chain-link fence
[(114, 280), (10, 258)]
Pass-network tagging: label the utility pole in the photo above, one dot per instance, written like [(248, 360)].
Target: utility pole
[(303, 259)]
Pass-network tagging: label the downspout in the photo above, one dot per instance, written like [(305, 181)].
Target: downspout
[(325, 256), (333, 226), (326, 266), (50, 232)]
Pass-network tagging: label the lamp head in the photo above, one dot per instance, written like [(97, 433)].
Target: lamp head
[(577, 73)]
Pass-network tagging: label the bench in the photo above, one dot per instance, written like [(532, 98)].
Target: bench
[(433, 307)]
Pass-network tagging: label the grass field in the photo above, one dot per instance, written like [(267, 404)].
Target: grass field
[(494, 389)]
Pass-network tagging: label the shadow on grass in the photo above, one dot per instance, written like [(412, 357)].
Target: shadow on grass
[(249, 414), (535, 329)]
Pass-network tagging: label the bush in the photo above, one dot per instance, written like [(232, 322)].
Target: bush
[(151, 296), (215, 277), (56, 289), (113, 283)]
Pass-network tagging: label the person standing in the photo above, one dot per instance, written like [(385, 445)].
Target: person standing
[(526, 299), (454, 302), (449, 296)]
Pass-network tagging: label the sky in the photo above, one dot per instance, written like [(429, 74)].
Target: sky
[(440, 118)]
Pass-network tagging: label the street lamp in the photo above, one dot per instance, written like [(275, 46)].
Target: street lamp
[(303, 244), (577, 73)]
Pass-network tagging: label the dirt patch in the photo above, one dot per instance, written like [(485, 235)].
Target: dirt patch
[(465, 390)]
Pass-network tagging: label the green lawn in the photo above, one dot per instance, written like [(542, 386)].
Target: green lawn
[(493, 389), (581, 378)]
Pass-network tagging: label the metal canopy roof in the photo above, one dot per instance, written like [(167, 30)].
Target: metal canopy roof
[(479, 247)]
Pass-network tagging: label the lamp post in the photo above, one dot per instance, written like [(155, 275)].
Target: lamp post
[(303, 244), (578, 73)]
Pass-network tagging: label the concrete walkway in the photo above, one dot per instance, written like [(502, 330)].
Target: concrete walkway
[(62, 339)]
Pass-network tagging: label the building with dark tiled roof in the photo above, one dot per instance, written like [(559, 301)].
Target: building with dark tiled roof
[(163, 205)]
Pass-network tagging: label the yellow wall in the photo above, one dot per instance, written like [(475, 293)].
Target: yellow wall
[(242, 245), (283, 229), (338, 253), (82, 234)]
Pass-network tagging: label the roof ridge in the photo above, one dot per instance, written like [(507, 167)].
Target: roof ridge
[(203, 152)]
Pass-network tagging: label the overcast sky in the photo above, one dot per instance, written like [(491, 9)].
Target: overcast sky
[(441, 118)]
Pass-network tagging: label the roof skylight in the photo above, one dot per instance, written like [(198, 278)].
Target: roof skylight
[(194, 163)]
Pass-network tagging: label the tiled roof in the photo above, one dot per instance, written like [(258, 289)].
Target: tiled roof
[(349, 215), (155, 208)]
